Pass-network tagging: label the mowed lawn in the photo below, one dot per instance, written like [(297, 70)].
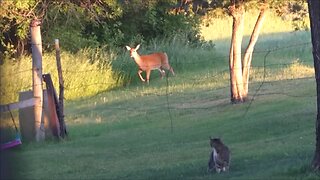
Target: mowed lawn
[(141, 138), (162, 130)]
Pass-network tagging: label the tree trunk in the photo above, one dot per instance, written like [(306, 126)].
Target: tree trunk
[(235, 65), (248, 54), (239, 70), (314, 13)]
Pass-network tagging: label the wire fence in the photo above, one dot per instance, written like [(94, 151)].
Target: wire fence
[(194, 91), (211, 86), (219, 94)]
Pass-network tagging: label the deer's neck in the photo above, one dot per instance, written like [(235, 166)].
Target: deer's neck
[(137, 58)]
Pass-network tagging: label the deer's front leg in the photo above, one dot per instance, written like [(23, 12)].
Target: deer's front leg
[(139, 73), (148, 71)]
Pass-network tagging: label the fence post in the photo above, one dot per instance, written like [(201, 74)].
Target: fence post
[(36, 45), (63, 131)]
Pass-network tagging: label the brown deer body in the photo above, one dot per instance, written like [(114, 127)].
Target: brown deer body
[(150, 62)]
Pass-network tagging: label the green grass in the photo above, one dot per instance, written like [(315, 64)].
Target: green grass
[(161, 130), (83, 74), (131, 138)]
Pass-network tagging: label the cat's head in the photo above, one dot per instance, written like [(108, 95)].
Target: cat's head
[(215, 141)]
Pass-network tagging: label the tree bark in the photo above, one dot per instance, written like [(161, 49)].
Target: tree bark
[(235, 64), (249, 51), (239, 69), (314, 13)]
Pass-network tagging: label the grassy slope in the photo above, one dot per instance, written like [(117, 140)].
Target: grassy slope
[(133, 138), (130, 133)]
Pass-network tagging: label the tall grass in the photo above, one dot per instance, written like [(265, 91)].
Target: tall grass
[(84, 75)]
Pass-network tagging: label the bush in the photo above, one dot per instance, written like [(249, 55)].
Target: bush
[(81, 24)]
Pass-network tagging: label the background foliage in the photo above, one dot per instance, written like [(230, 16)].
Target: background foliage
[(114, 23), (94, 23)]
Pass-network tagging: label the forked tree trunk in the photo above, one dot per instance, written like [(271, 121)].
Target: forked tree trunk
[(235, 64), (246, 63), (314, 13), (239, 70)]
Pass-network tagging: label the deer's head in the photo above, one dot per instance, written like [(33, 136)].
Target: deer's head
[(133, 51)]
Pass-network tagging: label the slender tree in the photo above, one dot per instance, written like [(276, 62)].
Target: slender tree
[(237, 12), (239, 69), (249, 51), (314, 13)]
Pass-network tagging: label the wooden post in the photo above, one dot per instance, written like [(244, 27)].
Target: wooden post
[(36, 45), (63, 131)]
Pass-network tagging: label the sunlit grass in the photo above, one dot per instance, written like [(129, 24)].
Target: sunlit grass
[(82, 75), (221, 28)]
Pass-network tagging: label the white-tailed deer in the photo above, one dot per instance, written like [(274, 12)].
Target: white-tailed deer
[(150, 62)]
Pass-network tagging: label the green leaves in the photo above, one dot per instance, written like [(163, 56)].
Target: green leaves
[(93, 23), (25, 4)]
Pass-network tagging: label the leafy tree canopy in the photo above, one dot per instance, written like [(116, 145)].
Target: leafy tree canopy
[(114, 23)]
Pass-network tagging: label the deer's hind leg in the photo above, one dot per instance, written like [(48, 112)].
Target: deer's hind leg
[(171, 70), (168, 67), (162, 72)]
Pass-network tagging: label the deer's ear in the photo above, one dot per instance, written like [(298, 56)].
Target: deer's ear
[(128, 48), (138, 46)]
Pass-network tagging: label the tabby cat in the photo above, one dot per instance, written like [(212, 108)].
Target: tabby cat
[(219, 156)]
